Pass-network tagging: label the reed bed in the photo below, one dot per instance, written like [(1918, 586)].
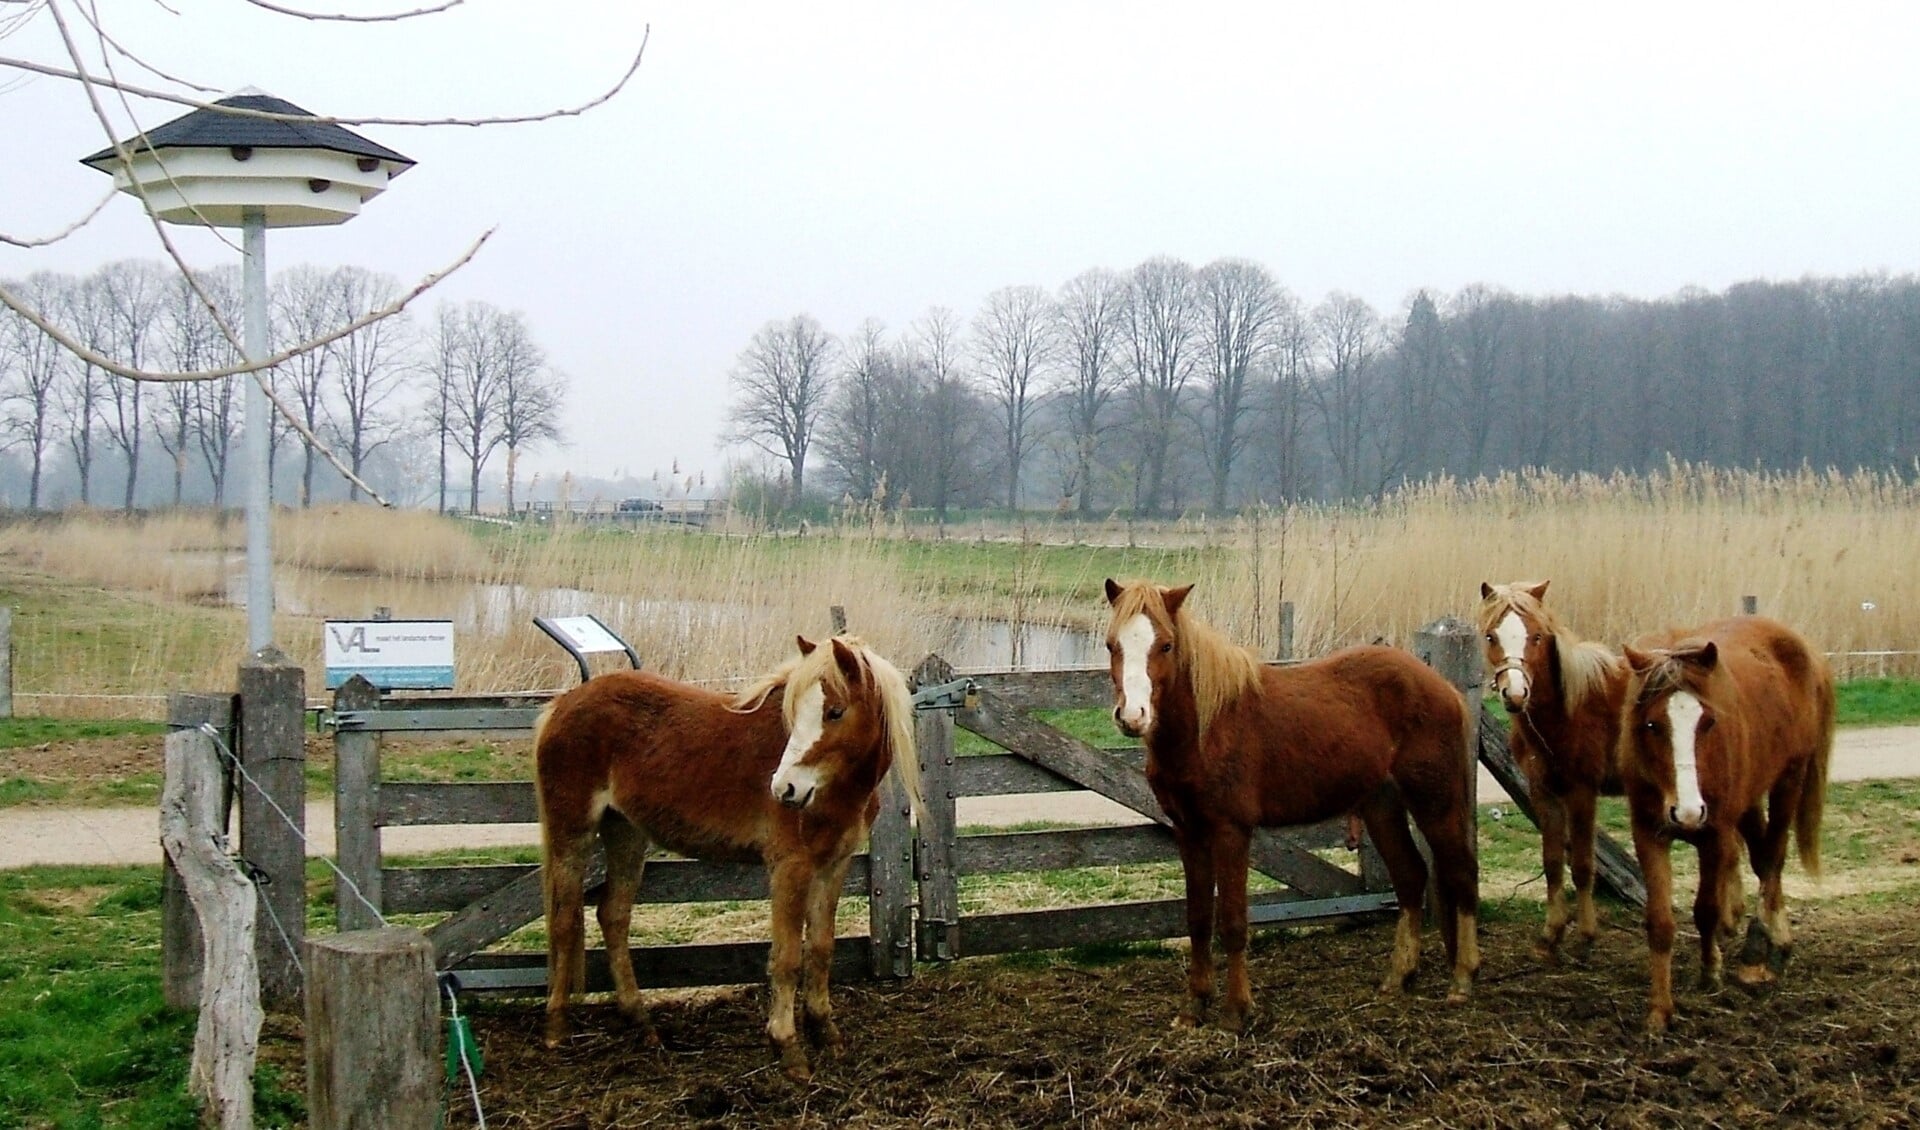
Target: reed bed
[(139, 606)]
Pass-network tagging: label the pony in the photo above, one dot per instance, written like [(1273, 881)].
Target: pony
[(1717, 720), (1564, 695), (1233, 745), (785, 773)]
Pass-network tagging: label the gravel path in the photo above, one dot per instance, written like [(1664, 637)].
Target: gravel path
[(31, 836)]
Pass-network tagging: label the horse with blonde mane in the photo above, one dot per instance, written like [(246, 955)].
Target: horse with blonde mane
[(1718, 720), (785, 773), (1234, 745), (1564, 696)]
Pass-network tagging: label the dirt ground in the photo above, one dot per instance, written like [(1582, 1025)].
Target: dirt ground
[(992, 1043)]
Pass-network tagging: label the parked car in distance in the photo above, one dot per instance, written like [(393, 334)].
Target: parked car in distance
[(637, 505)]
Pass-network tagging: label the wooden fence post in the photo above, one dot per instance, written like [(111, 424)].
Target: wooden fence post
[(356, 807), (837, 617), (1451, 646), (1286, 630), (6, 661), (274, 754), (227, 1037), (182, 952), (890, 886), (373, 1031), (1749, 606), (938, 934)]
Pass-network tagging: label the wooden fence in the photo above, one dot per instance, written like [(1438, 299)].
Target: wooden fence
[(910, 877)]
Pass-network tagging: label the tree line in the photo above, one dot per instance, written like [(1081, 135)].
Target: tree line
[(1169, 387), (405, 403)]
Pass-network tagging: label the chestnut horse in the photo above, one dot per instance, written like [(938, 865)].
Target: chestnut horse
[(1564, 695), (1718, 720), (785, 773), (1234, 745)]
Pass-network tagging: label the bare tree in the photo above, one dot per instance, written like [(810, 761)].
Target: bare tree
[(852, 427), (372, 364), (305, 304), (135, 294), (781, 384), (1240, 307), (1091, 320), (82, 392), (1290, 366), (31, 364), (1163, 338), (1347, 333), (934, 344), (532, 394), (1013, 338), (493, 375)]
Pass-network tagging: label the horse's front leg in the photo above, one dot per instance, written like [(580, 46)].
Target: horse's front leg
[(789, 880), (626, 864), (1230, 875), (1717, 854), (823, 898), (1656, 866), (1580, 805), (1552, 812), (1196, 863)]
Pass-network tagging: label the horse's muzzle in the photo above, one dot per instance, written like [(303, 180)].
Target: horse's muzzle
[(1691, 820), (793, 796), (1131, 728)]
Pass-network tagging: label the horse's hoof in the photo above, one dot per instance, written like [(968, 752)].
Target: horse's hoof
[(823, 1033), (1186, 1020), (650, 1038), (1460, 993), (1233, 1023), (558, 1032), (1393, 987), (1546, 952), (1658, 1021), (793, 1064)]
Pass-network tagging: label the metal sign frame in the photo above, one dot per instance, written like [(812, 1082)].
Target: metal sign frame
[(556, 627)]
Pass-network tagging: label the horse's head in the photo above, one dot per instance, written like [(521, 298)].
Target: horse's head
[(1518, 637), (1670, 728), (1141, 650), (849, 717)]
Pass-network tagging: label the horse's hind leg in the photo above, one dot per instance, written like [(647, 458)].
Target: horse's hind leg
[(626, 863), (823, 898), (1770, 938), (563, 875), (1456, 883), (1386, 820)]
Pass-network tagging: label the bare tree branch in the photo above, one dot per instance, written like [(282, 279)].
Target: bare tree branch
[(14, 241), (382, 18)]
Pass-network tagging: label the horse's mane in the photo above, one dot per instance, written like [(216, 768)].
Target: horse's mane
[(1668, 674), (800, 672), (1584, 665), (1220, 670)]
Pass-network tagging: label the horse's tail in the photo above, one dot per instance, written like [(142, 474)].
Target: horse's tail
[(547, 868), (1813, 794)]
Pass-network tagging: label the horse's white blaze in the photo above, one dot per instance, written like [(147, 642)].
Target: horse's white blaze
[(1135, 638), (1511, 682), (1683, 715), (793, 782)]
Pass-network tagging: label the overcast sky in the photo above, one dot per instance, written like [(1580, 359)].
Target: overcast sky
[(874, 160)]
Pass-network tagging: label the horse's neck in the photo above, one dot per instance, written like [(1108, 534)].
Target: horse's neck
[(1175, 740)]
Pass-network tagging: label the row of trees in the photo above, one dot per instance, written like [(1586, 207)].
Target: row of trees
[(467, 384), (1169, 386)]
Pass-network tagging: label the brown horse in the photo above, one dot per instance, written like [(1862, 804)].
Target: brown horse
[(1717, 720), (1564, 695), (1234, 745), (785, 773)]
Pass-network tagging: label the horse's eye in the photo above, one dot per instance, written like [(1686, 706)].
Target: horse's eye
[(1706, 723), (1492, 639), (1650, 726), (834, 713), (1534, 638), (1166, 647)]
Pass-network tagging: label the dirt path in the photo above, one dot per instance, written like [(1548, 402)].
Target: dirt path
[(33, 836)]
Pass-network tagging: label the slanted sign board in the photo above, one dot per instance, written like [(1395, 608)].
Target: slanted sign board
[(392, 654), (583, 636)]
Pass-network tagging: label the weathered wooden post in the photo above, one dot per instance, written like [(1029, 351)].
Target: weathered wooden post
[(1451, 646), (227, 1038), (1749, 606), (182, 951), (373, 1031), (890, 887), (6, 661), (356, 805), (938, 934), (1286, 630), (837, 617), (273, 821)]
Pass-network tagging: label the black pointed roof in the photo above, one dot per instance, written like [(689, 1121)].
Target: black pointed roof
[(212, 129)]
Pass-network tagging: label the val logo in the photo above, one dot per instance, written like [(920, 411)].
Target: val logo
[(355, 640)]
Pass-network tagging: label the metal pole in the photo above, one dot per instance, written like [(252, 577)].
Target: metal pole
[(253, 284)]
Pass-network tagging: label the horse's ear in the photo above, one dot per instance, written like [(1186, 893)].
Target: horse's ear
[(846, 660), (1539, 591), (1486, 591), (1637, 659), (1113, 590), (1175, 598), (1707, 657), (806, 645)]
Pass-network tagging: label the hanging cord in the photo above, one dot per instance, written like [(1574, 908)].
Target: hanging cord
[(462, 1036)]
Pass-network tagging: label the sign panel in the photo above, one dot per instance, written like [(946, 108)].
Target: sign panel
[(392, 654), (586, 634)]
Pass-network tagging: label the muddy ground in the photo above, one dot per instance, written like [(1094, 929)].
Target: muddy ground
[(992, 1043)]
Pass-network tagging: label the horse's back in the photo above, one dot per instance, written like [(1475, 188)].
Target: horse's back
[(1785, 687)]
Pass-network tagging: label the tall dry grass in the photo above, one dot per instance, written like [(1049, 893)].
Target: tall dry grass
[(1831, 554)]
